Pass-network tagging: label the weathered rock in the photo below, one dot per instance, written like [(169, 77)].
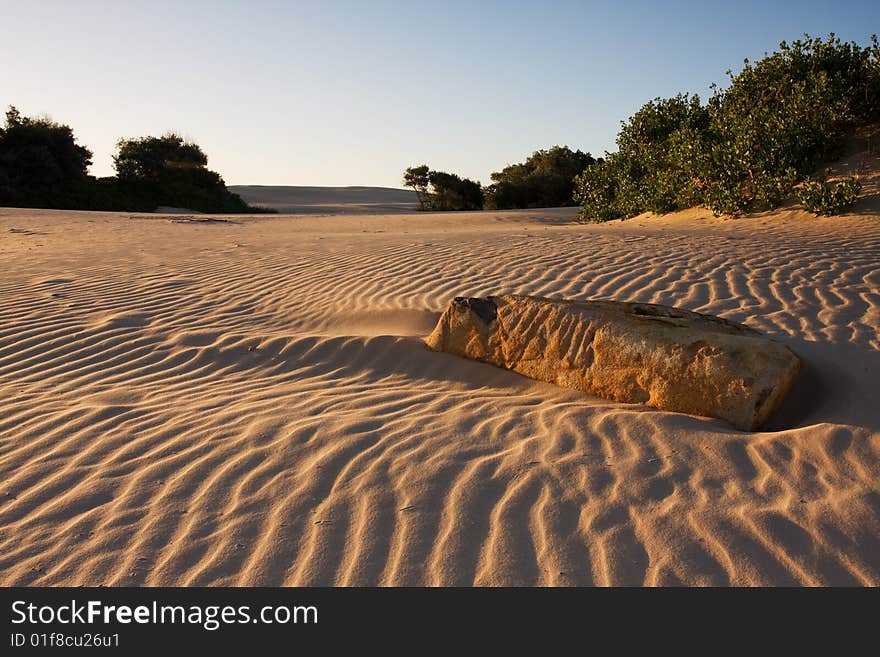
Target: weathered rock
[(671, 359)]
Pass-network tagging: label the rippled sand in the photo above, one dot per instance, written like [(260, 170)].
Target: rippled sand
[(249, 402)]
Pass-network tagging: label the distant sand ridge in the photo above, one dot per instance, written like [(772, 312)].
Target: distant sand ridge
[(251, 402), (328, 200)]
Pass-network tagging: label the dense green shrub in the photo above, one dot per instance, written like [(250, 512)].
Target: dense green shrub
[(156, 158), (173, 172), (655, 167), (783, 116), (438, 190), (824, 197), (41, 165), (544, 180), (451, 192), (749, 145), (608, 190)]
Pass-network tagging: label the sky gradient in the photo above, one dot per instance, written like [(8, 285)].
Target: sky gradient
[(351, 93)]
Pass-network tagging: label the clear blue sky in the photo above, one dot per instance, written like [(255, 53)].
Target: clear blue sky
[(350, 93)]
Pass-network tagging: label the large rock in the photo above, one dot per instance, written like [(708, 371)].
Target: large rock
[(671, 359)]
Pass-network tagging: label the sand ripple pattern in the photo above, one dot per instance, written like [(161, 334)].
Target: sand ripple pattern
[(251, 404)]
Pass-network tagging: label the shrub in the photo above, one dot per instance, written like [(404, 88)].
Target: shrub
[(749, 145), (607, 190), (156, 158), (451, 192), (544, 180), (782, 116), (655, 167), (827, 198), (438, 190), (41, 165), (171, 171)]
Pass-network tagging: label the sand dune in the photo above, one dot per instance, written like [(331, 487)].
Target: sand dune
[(328, 200), (249, 402)]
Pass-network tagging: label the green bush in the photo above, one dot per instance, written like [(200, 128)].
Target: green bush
[(655, 167), (438, 190), (452, 192), (607, 190), (544, 180), (749, 145), (41, 165), (824, 197), (170, 171)]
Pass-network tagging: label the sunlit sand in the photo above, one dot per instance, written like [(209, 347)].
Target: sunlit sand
[(249, 402)]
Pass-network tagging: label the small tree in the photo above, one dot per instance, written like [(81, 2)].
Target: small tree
[(438, 190), (419, 178)]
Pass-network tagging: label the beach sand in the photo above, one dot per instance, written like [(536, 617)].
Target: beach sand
[(249, 402)]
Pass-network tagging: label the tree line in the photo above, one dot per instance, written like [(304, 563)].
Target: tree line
[(544, 180), (751, 146), (41, 165)]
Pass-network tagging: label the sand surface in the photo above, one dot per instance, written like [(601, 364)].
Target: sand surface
[(248, 402)]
